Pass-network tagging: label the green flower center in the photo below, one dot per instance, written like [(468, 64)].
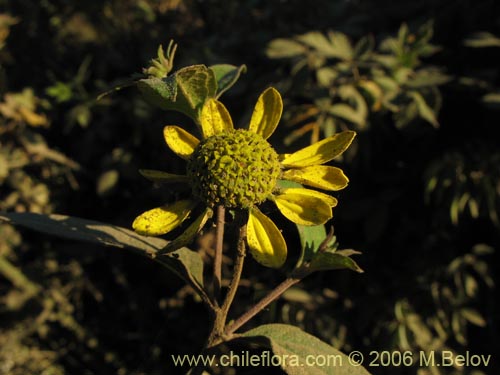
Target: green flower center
[(238, 169)]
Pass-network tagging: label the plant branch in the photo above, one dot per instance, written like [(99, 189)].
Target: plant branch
[(238, 269), (254, 310), (219, 242)]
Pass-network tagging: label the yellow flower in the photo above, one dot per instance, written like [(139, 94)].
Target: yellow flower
[(239, 169)]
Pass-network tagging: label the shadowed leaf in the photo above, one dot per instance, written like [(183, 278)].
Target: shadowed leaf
[(184, 262), (295, 348), (226, 76)]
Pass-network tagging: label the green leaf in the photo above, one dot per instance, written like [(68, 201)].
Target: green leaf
[(185, 91), (341, 45), (296, 348), (226, 76), (350, 94), (427, 77), (311, 238), (326, 76), (120, 84), (184, 262), (482, 39), (426, 112), (348, 113), (335, 260), (364, 47), (319, 42), (284, 48)]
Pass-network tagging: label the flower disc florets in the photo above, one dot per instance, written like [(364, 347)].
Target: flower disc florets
[(238, 169)]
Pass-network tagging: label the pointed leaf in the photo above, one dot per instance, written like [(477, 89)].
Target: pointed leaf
[(226, 76), (426, 112), (163, 177), (284, 48), (185, 263), (340, 259), (482, 39), (311, 237), (299, 347), (348, 113)]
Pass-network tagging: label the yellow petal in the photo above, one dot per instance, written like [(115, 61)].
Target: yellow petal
[(267, 113), (215, 118), (163, 219), (180, 141), (187, 237), (320, 152), (164, 177), (304, 206), (318, 176), (265, 241)]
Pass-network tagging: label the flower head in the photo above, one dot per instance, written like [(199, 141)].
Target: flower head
[(239, 169)]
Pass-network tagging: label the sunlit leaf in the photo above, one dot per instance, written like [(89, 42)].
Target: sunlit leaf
[(185, 91), (348, 113), (284, 48)]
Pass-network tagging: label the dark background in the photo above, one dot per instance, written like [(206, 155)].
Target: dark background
[(431, 264)]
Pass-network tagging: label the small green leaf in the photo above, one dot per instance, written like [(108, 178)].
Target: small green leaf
[(107, 182), (348, 113), (226, 76), (340, 259), (427, 77), (341, 45), (311, 238), (319, 42), (482, 39), (284, 48), (364, 47), (351, 94), (426, 112), (184, 262), (296, 348), (326, 76), (185, 91)]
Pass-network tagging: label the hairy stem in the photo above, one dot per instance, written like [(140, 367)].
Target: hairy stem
[(259, 306), (238, 269), (219, 242)]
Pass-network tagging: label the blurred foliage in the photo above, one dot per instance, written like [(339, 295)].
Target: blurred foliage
[(422, 204), (344, 83)]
